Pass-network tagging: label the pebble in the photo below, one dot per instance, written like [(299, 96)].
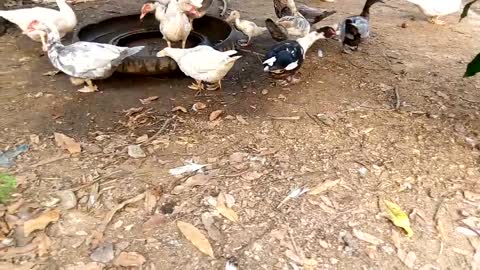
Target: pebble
[(136, 151)]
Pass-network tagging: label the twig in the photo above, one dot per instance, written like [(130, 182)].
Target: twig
[(397, 98), (161, 130), (314, 119), (285, 117), (252, 52), (94, 181), (48, 161), (468, 100), (112, 212)]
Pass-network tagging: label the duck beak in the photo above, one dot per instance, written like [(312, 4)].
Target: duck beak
[(142, 15)]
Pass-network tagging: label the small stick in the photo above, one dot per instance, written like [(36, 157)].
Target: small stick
[(397, 98), (252, 52), (161, 130), (51, 160), (285, 117)]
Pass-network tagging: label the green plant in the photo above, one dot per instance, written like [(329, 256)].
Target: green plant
[(8, 184)]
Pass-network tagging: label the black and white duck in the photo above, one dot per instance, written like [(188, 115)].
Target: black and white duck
[(356, 28), (284, 59)]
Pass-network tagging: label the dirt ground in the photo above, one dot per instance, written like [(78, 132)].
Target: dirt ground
[(395, 121)]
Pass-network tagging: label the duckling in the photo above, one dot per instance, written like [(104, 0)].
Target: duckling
[(203, 64), (250, 29), (433, 9), (284, 59), (174, 23), (355, 28)]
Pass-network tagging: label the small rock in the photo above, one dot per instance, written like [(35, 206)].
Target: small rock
[(34, 139), (129, 259), (265, 92), (136, 151), (103, 254), (404, 25), (215, 114)]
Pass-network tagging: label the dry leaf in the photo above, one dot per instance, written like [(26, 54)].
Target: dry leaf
[(148, 100), (241, 120), (367, 237), (407, 258), (133, 111), (195, 237), (154, 222), (129, 259), (12, 208), (399, 217), (224, 210), (396, 239), (323, 187), (215, 114), (11, 266), (179, 109), (199, 106), (150, 201), (228, 213), (67, 143), (196, 180), (40, 222), (43, 243), (209, 224)]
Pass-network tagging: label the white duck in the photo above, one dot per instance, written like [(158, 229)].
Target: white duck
[(63, 19), (203, 64), (433, 9), (83, 61), (175, 25), (250, 29)]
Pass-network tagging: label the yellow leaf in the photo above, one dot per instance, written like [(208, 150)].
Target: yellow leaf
[(227, 212), (399, 217), (40, 222), (224, 210), (196, 237)]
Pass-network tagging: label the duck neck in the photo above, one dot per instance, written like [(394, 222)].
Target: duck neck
[(66, 10), (307, 41), (53, 37), (366, 9)]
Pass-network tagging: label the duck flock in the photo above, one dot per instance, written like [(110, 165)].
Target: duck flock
[(294, 30)]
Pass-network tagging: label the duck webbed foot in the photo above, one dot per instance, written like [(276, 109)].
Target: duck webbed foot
[(197, 86), (89, 88)]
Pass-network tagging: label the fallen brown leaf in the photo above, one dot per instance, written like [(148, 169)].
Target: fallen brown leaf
[(129, 259), (179, 108), (215, 114), (224, 210), (43, 243), (195, 237), (241, 120), (150, 201), (39, 223), (67, 143), (367, 237), (196, 180), (11, 266), (148, 100), (407, 258), (209, 224), (199, 106), (154, 222), (396, 239), (133, 111), (112, 212), (323, 187)]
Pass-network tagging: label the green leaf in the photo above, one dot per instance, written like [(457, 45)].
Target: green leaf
[(466, 9), (473, 67), (8, 184)]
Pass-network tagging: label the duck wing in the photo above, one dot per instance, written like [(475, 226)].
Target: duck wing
[(278, 33), (314, 15), (281, 8), (94, 58)]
